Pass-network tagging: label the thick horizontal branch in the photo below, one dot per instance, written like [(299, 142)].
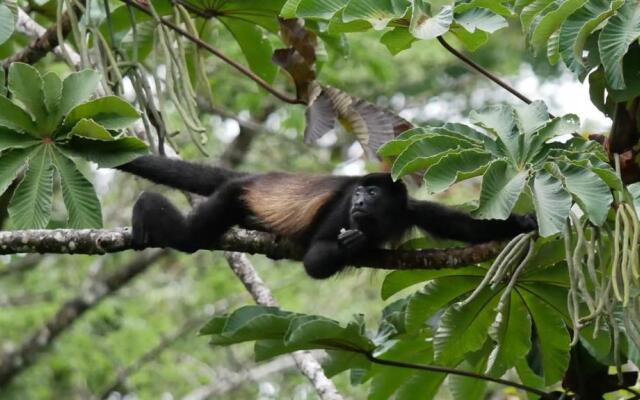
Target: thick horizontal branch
[(101, 241)]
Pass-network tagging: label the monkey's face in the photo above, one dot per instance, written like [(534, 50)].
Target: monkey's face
[(365, 202)]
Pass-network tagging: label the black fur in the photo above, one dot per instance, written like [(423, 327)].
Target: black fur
[(359, 213)]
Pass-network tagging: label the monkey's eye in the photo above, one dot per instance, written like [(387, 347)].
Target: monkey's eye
[(372, 192)]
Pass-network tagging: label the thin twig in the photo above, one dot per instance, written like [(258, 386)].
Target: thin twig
[(483, 71), (452, 371)]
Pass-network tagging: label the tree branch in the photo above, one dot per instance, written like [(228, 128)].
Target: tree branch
[(101, 241), (15, 361), (47, 41)]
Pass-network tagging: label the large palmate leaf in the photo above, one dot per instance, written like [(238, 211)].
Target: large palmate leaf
[(518, 146), (40, 139), (31, 203), (79, 196), (614, 40)]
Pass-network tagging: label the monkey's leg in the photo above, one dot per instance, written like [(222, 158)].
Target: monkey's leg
[(157, 223)]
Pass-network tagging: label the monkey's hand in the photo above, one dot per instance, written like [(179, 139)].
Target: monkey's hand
[(353, 240)]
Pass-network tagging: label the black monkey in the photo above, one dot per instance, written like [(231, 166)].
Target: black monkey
[(332, 217)]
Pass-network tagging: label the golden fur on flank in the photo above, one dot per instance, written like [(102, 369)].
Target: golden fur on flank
[(289, 203)]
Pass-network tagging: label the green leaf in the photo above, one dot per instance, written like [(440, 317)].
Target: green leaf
[(435, 295), (11, 162), (501, 188), (398, 383), (552, 203), (377, 12), (463, 329), (76, 89), (111, 112), (577, 28), (106, 154), (397, 40), (30, 206), (531, 117), (481, 18), (91, 130), (551, 21), (501, 120), (326, 333), (425, 25), (339, 361), (15, 140), (591, 193), (7, 23), (79, 196), (614, 40), (254, 45), (323, 9), (399, 280), (553, 48), (496, 6), (552, 335), (464, 388), (423, 153), (511, 332), (52, 90), (14, 117), (25, 83), (528, 377), (401, 142), (471, 41), (290, 8), (248, 323), (456, 167), (529, 12)]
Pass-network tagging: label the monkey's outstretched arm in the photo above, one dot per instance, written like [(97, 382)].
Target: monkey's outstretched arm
[(191, 177), (448, 223)]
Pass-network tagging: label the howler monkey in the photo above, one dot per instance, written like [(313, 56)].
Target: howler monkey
[(332, 217)]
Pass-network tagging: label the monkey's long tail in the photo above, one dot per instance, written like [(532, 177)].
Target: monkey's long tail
[(191, 177)]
